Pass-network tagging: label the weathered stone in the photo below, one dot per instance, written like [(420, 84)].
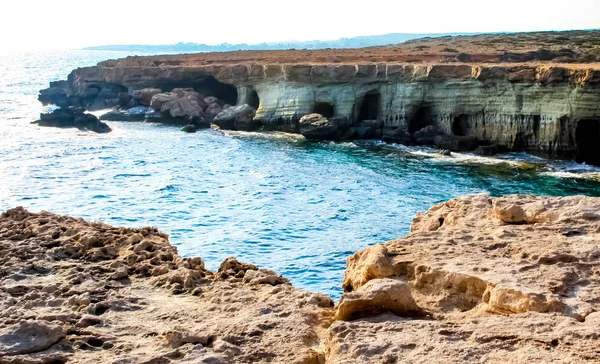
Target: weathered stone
[(239, 117), (29, 337), (158, 100), (376, 297), (144, 96), (73, 117), (318, 127)]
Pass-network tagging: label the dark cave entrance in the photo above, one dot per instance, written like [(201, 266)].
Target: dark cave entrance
[(422, 118), (209, 86), (587, 137), (325, 109), (460, 125), (222, 91), (369, 108), (253, 99)]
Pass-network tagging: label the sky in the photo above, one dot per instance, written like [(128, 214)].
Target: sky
[(60, 24)]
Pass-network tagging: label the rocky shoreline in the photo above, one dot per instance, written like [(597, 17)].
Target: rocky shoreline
[(532, 92), (546, 110), (512, 279)]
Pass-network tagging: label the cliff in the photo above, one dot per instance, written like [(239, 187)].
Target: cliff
[(479, 279), (524, 100)]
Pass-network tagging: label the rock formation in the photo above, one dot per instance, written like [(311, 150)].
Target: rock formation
[(72, 117), (512, 279), (546, 109), (78, 292), (478, 279)]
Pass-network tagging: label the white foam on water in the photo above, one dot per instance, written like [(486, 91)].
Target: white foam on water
[(263, 135)]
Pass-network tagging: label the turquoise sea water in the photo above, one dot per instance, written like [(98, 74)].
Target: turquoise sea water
[(274, 200)]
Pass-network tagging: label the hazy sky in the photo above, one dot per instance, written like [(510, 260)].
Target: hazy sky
[(27, 24)]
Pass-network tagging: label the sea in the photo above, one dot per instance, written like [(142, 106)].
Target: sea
[(272, 199)]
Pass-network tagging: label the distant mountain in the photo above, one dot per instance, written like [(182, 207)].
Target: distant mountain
[(356, 42)]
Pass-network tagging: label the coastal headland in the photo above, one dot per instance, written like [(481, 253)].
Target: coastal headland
[(534, 92)]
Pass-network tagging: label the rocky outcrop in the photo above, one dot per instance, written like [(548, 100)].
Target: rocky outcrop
[(514, 275), (72, 117), (79, 292), (478, 279)]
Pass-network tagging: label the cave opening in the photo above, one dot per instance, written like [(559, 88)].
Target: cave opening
[(421, 119), (325, 109), (460, 125), (369, 107), (209, 86), (587, 137), (253, 99), (222, 91), (537, 122)]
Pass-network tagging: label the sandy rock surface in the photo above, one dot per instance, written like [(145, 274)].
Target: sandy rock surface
[(78, 292), (512, 279), (497, 280)]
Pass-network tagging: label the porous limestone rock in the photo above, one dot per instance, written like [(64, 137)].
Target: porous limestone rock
[(511, 279), (28, 337), (378, 296), (73, 291), (515, 274)]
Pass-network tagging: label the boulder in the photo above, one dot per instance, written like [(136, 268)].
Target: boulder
[(72, 117), (192, 96), (158, 100), (366, 265), (395, 134), (144, 96), (239, 117), (210, 100), (181, 107), (212, 110), (29, 337), (318, 127), (456, 143), (85, 121), (376, 297)]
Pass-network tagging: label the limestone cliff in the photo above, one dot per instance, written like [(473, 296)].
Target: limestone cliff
[(551, 110)]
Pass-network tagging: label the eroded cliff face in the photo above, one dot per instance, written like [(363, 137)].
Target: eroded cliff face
[(550, 110)]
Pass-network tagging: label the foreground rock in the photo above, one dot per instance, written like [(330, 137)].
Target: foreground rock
[(73, 117), (513, 279), (78, 292)]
